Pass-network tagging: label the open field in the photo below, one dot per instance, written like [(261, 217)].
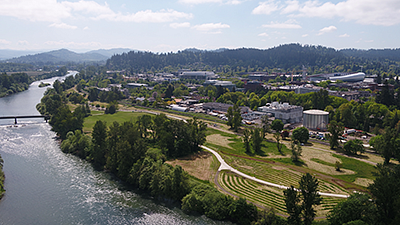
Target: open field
[(199, 165), (119, 117)]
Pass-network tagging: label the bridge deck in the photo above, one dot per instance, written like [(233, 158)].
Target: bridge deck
[(46, 117)]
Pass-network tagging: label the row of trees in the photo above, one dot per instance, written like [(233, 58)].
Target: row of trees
[(124, 149), (13, 83)]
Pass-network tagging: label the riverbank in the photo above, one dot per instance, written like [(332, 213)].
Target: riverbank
[(2, 177)]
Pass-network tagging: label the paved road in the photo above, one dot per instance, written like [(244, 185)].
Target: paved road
[(225, 166)]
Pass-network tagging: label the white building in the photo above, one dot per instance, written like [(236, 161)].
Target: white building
[(285, 112), (198, 75)]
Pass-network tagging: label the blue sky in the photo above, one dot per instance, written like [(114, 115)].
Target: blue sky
[(172, 25)]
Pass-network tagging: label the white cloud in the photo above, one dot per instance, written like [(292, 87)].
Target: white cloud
[(266, 7), (327, 30), (290, 24), (196, 2), (39, 10), (180, 25), (86, 28), (53, 11), (371, 12), (304, 35), (23, 42), (263, 35), (63, 26), (146, 16), (211, 27), (88, 7), (344, 35), (291, 6), (369, 41), (4, 42)]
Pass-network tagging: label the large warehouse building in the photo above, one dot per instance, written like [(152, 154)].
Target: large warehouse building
[(315, 119), (285, 112)]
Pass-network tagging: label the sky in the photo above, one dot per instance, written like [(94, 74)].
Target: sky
[(173, 25)]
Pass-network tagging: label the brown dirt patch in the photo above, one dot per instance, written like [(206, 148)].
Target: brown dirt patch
[(197, 165), (363, 182), (220, 140), (309, 153)]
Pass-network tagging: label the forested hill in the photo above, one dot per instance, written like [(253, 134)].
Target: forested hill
[(374, 54), (284, 56), (61, 56)]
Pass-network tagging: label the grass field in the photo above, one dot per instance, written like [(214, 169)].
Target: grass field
[(119, 117), (233, 144)]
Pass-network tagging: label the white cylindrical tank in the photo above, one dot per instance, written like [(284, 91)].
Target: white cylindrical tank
[(315, 119)]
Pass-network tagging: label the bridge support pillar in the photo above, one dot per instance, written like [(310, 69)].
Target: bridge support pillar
[(15, 120)]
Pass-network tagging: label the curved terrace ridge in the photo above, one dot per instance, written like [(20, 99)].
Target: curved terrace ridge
[(225, 166)]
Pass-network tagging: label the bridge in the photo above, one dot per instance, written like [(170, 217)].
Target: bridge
[(46, 117)]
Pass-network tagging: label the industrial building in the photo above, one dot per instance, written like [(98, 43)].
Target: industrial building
[(136, 85), (285, 112), (198, 75), (315, 119), (355, 77), (225, 84), (223, 107)]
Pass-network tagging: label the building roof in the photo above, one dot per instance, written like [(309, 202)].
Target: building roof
[(315, 112)]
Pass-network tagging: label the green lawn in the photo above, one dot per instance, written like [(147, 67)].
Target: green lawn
[(362, 169), (119, 117), (238, 148)]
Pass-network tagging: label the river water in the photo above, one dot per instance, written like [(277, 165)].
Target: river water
[(45, 186)]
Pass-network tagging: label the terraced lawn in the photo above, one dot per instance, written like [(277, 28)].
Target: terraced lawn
[(277, 174), (264, 195)]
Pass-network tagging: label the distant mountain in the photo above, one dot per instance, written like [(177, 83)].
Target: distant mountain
[(8, 54), (195, 50), (59, 56), (110, 52)]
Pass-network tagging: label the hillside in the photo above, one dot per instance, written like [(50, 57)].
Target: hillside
[(375, 54), (59, 56), (284, 58), (109, 52)]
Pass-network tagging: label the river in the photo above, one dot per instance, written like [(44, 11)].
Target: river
[(45, 186)]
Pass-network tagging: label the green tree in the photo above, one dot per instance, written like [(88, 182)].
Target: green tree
[(265, 125), (234, 117), (296, 151), (353, 146), (387, 144), (99, 135), (336, 131), (301, 134), (256, 140), (246, 140), (356, 207), (277, 125), (308, 186), (386, 193), (278, 139), (293, 207)]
